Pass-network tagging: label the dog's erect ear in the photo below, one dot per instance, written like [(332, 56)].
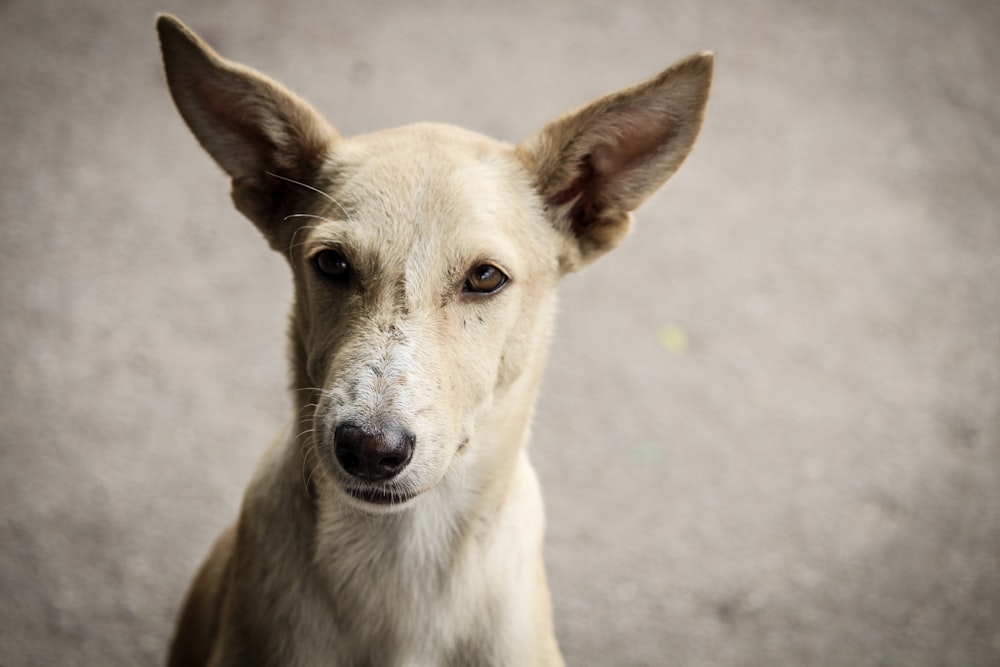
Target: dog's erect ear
[(595, 165), (259, 132)]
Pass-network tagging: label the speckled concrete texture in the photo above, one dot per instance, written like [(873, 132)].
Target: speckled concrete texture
[(770, 430)]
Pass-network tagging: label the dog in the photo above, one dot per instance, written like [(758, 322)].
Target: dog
[(397, 520)]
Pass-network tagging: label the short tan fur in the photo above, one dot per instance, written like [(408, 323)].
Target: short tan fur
[(397, 519)]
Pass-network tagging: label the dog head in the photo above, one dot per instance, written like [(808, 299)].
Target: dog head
[(426, 257)]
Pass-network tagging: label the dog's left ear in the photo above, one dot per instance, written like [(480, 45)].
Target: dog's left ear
[(260, 133), (597, 164)]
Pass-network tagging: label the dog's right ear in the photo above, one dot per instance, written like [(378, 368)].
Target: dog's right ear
[(258, 131)]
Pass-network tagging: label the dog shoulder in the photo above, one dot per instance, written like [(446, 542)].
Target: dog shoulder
[(198, 627)]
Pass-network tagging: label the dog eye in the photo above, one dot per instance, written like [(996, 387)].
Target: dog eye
[(331, 264), (484, 279)]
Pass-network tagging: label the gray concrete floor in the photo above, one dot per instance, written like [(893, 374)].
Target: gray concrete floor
[(770, 431)]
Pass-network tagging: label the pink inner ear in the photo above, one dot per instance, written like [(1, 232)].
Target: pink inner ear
[(605, 158), (584, 173), (584, 192), (246, 138), (620, 145), (632, 138)]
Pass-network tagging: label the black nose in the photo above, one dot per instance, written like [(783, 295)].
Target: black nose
[(373, 456)]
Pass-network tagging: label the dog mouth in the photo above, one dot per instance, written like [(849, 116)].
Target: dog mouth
[(384, 496)]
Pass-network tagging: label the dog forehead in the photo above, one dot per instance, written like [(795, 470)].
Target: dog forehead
[(430, 173), (435, 185), (443, 140)]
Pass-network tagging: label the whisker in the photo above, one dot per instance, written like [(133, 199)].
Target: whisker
[(307, 215), (312, 465), (309, 406), (316, 190), (309, 469), (292, 245), (305, 185)]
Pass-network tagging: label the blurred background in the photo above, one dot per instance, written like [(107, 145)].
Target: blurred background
[(770, 429)]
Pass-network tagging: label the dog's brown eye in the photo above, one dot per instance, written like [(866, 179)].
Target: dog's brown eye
[(484, 279), (331, 264)]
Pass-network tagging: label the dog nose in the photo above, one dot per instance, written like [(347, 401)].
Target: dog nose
[(373, 456)]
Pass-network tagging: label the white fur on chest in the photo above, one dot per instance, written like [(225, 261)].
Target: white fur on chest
[(427, 586)]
